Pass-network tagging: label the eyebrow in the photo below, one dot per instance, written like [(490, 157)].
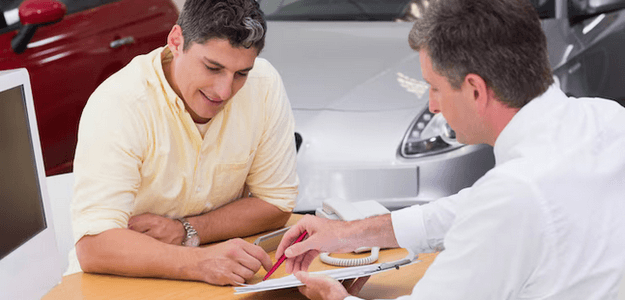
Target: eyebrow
[(222, 67)]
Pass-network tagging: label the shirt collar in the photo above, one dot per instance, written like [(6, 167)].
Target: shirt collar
[(170, 95), (525, 125)]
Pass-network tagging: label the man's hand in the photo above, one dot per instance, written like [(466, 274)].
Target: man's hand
[(327, 288), (164, 229), (232, 262), (323, 236), (333, 236)]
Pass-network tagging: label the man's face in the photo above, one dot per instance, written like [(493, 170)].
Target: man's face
[(207, 75), (455, 104)]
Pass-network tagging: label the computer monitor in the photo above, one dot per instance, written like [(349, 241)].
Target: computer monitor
[(30, 263)]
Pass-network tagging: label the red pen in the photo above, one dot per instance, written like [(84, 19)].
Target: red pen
[(283, 257)]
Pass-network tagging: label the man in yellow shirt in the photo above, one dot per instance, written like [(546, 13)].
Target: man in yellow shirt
[(191, 143)]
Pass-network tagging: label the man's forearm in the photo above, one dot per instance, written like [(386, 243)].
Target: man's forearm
[(372, 232), (244, 217), (129, 253)]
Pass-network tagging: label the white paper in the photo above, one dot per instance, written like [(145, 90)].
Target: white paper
[(338, 274)]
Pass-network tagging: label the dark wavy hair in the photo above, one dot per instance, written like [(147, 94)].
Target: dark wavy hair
[(502, 41), (239, 21)]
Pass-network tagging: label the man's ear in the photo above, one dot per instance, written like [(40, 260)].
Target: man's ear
[(481, 94), (175, 40)]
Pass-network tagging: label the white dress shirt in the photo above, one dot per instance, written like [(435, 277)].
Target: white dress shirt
[(548, 222)]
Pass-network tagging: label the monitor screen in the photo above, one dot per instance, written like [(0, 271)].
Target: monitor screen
[(30, 263), (21, 206)]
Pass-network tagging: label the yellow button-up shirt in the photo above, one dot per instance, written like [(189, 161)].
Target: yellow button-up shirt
[(139, 150)]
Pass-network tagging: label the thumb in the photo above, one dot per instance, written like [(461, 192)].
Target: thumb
[(302, 276), (298, 249)]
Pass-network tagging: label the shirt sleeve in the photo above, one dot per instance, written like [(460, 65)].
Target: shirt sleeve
[(273, 176), (106, 165), (422, 228), (492, 247)]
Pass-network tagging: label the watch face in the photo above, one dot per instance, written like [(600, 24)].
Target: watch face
[(193, 241)]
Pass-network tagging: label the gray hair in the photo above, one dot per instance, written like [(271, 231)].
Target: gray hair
[(239, 21), (500, 40), (256, 32)]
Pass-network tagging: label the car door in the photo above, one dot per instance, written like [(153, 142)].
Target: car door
[(69, 59)]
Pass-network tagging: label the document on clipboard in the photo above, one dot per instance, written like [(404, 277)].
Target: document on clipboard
[(338, 274)]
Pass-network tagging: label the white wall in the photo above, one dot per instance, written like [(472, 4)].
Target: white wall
[(179, 4), (60, 190), (621, 293)]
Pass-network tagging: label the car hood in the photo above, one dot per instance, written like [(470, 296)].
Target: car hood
[(346, 66)]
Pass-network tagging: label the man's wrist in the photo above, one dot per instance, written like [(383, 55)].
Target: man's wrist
[(372, 231), (191, 238)]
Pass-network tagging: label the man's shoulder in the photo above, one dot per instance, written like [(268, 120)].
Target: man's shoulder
[(128, 92), (130, 82), (263, 69)]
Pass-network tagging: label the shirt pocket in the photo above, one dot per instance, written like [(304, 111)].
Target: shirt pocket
[(229, 181)]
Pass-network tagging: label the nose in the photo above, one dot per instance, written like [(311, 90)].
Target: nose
[(223, 87), (433, 104)]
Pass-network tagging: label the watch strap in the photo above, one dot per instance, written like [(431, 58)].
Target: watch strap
[(190, 231)]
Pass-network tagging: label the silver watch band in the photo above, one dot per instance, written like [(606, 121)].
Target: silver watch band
[(191, 238)]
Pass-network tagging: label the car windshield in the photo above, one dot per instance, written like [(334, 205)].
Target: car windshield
[(341, 10), (363, 10)]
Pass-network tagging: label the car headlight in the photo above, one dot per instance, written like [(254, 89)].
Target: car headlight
[(427, 135)]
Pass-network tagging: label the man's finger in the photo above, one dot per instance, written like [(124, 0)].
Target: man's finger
[(302, 276), (292, 264), (356, 285), (300, 248), (307, 260), (288, 238), (302, 262), (241, 271), (138, 226), (141, 223), (259, 254), (249, 262)]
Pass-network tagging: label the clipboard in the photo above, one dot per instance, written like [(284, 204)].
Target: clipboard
[(338, 274), (269, 242)]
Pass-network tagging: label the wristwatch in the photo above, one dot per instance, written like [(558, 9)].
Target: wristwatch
[(191, 239)]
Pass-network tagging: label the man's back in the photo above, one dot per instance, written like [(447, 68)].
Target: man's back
[(569, 152), (546, 222)]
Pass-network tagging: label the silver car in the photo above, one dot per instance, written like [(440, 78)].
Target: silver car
[(363, 126)]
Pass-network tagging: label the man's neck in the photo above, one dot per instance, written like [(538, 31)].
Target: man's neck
[(497, 117), (168, 69)]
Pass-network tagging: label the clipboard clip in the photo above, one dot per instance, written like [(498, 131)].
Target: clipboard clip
[(393, 264)]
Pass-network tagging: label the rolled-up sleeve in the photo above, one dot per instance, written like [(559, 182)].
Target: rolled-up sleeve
[(273, 177), (106, 166)]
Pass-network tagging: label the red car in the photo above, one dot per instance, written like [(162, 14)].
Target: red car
[(69, 47)]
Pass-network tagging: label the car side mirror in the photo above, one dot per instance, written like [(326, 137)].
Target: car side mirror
[(580, 10), (35, 13)]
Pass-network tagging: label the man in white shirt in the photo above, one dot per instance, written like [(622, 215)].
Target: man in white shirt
[(545, 223)]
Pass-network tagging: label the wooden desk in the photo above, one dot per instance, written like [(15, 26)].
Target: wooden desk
[(389, 284)]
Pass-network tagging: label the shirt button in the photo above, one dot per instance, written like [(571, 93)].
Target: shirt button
[(198, 189)]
